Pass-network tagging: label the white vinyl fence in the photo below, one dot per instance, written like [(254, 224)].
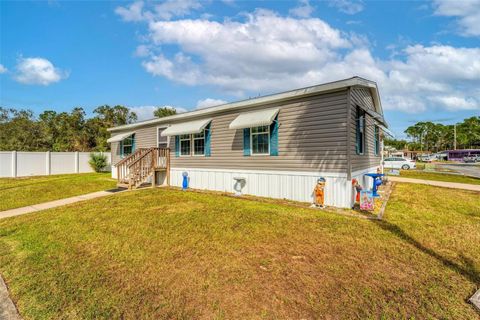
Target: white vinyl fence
[(21, 164)]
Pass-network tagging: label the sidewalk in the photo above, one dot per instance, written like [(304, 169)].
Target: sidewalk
[(8, 311), (453, 185), (56, 203)]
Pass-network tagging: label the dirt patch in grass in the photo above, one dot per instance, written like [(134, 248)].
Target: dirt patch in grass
[(163, 253)]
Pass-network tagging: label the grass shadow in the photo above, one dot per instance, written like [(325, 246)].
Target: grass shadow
[(467, 270)]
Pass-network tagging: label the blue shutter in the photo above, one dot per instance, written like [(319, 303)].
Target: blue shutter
[(375, 133), (133, 143), (177, 146), (121, 149), (246, 142), (274, 137), (207, 140)]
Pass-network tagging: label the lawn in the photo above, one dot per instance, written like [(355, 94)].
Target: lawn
[(417, 174), (164, 253), (20, 192)]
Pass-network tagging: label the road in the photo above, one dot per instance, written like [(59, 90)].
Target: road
[(467, 169)]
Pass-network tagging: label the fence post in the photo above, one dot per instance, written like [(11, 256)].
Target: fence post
[(14, 164), (48, 161), (77, 160)]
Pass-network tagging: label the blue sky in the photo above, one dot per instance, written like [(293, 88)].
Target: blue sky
[(424, 55)]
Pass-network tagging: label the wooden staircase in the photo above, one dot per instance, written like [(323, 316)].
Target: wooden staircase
[(134, 170)]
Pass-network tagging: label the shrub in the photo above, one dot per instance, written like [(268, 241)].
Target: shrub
[(98, 162)]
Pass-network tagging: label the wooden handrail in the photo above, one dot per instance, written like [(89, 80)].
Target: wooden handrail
[(140, 158), (137, 152), (143, 164)]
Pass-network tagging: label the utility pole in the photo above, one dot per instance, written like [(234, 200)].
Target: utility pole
[(455, 137)]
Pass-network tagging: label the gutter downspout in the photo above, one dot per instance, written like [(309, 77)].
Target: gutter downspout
[(349, 134)]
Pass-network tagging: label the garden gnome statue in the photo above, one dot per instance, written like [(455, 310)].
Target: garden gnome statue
[(319, 193), (358, 188)]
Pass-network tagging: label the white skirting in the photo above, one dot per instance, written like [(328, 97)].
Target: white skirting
[(291, 185)]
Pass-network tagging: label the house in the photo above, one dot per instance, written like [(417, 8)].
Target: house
[(459, 154), (405, 153), (278, 144)]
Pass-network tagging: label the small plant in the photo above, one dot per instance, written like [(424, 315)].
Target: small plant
[(98, 162)]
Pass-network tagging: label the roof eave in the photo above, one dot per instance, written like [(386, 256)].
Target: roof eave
[(278, 97)]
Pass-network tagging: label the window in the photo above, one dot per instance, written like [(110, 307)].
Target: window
[(185, 142), (260, 137), (377, 140), (199, 144), (127, 146), (360, 130), (162, 140)]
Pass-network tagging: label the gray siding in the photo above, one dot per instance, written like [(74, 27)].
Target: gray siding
[(145, 137), (312, 137), (362, 97)]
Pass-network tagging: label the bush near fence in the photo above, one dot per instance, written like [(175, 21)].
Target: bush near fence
[(22, 164)]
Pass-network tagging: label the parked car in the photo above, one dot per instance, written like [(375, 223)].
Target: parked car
[(427, 158), (471, 158), (398, 163)]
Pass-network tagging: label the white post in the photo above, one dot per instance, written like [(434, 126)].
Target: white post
[(48, 160), (77, 160), (14, 164)]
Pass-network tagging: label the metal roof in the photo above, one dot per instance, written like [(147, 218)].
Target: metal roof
[(278, 97)]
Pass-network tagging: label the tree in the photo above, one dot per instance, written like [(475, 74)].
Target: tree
[(164, 112), (470, 128), (115, 116), (107, 117), (19, 130), (397, 144)]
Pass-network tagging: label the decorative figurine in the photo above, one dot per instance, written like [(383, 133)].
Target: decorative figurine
[(319, 193)]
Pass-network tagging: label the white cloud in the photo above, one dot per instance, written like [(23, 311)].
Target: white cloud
[(146, 112), (142, 51), (247, 57), (131, 13), (143, 112), (467, 13), (168, 9), (347, 6), (2, 69), (304, 10), (209, 102), (176, 8), (456, 102), (38, 71), (243, 55), (432, 77)]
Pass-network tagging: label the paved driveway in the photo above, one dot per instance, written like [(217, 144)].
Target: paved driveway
[(467, 169)]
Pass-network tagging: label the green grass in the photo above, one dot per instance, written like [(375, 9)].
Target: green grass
[(163, 254), (416, 174), (20, 192)]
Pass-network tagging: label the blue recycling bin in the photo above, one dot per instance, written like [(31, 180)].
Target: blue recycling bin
[(377, 181)]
